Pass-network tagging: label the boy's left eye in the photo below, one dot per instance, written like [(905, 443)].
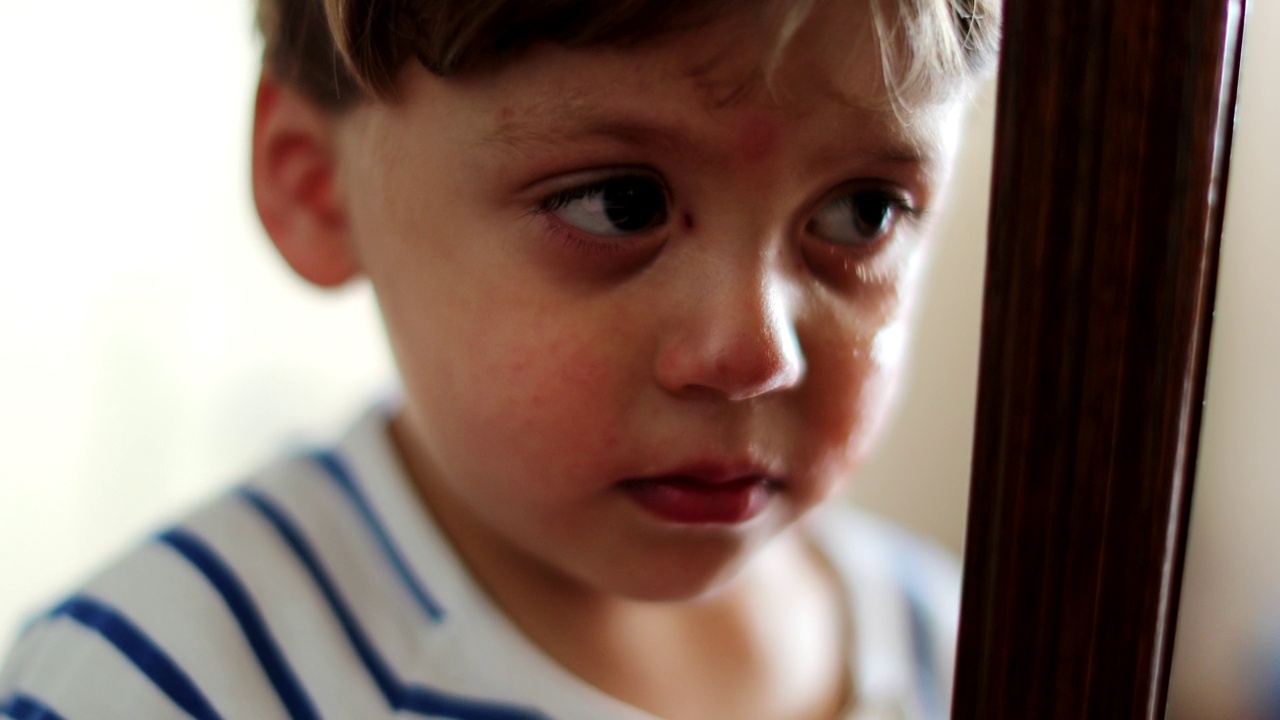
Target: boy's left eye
[(613, 207), (859, 218)]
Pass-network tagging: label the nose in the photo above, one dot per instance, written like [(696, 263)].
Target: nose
[(734, 337)]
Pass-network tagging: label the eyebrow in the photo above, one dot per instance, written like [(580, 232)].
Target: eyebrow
[(619, 131), (647, 135)]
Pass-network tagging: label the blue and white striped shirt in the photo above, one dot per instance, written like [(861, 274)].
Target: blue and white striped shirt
[(323, 589)]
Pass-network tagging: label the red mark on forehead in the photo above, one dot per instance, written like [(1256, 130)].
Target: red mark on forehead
[(757, 138)]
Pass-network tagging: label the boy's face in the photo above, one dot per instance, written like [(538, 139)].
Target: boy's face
[(647, 311)]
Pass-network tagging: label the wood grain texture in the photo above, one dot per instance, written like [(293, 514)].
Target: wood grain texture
[(1112, 139)]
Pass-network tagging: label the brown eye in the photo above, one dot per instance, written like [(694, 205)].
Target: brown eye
[(613, 207), (858, 218)]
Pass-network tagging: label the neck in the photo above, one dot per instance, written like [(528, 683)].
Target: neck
[(774, 638), (770, 642)]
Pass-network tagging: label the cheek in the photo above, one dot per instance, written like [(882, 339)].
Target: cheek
[(876, 401), (525, 399), (546, 388), (849, 396), (854, 364), (848, 425)]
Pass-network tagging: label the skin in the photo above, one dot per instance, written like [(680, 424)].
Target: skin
[(544, 364)]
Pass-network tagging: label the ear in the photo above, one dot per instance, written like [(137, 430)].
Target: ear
[(295, 184)]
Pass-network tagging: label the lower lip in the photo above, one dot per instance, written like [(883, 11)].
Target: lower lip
[(690, 502)]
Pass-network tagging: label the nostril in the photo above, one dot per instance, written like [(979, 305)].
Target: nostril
[(774, 367), (733, 370), (736, 339)]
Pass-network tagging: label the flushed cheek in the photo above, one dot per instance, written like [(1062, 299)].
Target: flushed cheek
[(844, 433), (849, 402), (547, 408), (567, 398)]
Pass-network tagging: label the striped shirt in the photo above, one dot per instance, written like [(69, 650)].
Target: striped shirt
[(323, 589)]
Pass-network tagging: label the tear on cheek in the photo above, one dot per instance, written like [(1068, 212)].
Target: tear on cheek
[(890, 345)]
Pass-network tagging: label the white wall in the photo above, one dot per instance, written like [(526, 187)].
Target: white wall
[(152, 349), (1232, 595)]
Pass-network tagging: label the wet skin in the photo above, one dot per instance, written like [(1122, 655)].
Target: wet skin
[(648, 313)]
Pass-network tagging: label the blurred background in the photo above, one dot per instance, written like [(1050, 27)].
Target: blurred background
[(153, 349)]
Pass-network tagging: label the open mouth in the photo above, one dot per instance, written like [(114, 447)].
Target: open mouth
[(687, 500)]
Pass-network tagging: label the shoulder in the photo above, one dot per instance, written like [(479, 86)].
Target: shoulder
[(871, 545), (217, 616), (905, 596), (316, 589)]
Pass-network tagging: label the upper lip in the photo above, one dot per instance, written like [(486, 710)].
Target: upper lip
[(714, 472)]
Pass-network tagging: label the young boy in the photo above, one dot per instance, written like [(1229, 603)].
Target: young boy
[(645, 266)]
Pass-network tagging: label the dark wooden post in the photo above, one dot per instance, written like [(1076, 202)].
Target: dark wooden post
[(1113, 134)]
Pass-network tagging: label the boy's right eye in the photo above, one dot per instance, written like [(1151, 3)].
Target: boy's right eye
[(612, 207)]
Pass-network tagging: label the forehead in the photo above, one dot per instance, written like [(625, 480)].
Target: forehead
[(755, 125), (744, 130), (703, 95), (749, 66), (782, 49)]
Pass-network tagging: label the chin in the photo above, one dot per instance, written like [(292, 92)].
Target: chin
[(676, 592), (678, 582)]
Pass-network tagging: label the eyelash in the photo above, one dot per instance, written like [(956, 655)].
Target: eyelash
[(876, 261), (581, 240), (901, 210), (910, 213), (561, 199)]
